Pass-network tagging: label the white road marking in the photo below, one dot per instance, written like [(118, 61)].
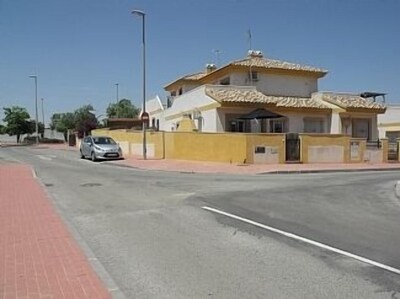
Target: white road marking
[(34, 173), (305, 240), (44, 157), (180, 195)]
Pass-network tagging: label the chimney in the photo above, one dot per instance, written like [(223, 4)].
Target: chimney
[(255, 53), (210, 67)]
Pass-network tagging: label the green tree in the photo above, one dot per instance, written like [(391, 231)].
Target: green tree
[(32, 127), (62, 122), (85, 120), (2, 129), (123, 109), (82, 121), (17, 121)]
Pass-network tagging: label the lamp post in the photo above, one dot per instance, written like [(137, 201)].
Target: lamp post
[(142, 14), (117, 108), (43, 114), (36, 109)]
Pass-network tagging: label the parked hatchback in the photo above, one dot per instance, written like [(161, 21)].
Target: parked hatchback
[(100, 148)]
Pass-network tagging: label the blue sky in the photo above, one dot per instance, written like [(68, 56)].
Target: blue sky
[(79, 48)]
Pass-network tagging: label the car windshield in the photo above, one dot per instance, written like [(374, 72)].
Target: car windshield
[(103, 140)]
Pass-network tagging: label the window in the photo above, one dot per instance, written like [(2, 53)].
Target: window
[(314, 125), (237, 126), (277, 126), (225, 81), (253, 76), (259, 150), (180, 91), (173, 93)]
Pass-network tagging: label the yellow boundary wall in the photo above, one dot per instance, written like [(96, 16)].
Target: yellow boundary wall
[(240, 147), (217, 147), (336, 148)]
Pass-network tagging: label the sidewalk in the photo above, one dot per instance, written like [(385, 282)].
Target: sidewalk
[(235, 168), (214, 167), (38, 256)]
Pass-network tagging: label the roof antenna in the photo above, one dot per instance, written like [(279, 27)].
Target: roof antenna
[(250, 51), (249, 39), (217, 54)]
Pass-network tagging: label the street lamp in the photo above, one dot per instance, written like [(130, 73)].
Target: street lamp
[(117, 108), (142, 14), (43, 114), (36, 109)]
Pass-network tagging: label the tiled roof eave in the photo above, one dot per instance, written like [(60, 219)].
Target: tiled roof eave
[(253, 97), (282, 70), (353, 103), (185, 79), (366, 109), (276, 64)]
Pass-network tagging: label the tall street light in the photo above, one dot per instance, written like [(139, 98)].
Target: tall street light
[(43, 114), (144, 114), (117, 108), (36, 109)]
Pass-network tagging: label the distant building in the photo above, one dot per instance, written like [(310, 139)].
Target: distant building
[(389, 124)]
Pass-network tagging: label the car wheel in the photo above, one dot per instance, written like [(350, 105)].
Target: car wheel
[(82, 155), (93, 156)]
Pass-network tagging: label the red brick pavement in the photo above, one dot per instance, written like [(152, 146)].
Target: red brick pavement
[(38, 256)]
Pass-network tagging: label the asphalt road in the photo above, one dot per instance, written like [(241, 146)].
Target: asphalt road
[(149, 231)]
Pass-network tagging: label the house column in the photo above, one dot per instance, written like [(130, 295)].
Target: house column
[(374, 128), (336, 127)]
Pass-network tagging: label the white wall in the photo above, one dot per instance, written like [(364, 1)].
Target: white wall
[(186, 103), (211, 121), (154, 105), (389, 121), (189, 87), (281, 85), (392, 115)]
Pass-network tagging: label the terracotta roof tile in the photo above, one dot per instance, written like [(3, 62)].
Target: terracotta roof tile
[(231, 94), (194, 77), (276, 64), (351, 101)]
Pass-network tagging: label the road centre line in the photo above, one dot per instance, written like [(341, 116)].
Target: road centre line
[(44, 157), (305, 240)]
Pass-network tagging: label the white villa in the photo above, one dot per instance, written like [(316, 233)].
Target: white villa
[(263, 95)]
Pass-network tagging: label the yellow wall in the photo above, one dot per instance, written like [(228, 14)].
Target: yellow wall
[(385, 149), (362, 147), (274, 140), (307, 140), (343, 141), (221, 147), (217, 147), (233, 147), (135, 137)]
